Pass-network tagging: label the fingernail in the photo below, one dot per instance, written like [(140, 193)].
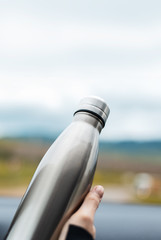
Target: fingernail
[(99, 190)]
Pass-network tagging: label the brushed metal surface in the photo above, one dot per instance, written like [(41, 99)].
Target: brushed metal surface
[(95, 105), (60, 183), (112, 220)]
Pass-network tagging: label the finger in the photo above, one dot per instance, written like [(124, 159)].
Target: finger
[(91, 202)]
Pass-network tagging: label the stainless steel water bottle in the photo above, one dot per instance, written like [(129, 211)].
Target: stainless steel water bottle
[(63, 177)]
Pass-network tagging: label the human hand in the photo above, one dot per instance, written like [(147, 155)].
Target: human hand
[(84, 216)]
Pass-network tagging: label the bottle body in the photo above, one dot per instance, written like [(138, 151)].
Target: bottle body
[(60, 183)]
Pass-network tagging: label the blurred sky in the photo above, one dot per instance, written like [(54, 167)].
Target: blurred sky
[(53, 53)]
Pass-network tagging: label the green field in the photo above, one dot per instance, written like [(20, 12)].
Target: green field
[(117, 168)]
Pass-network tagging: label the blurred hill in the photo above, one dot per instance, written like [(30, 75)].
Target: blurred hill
[(117, 162), (132, 147), (130, 156), (114, 156)]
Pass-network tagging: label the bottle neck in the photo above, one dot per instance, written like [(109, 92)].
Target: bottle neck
[(89, 118)]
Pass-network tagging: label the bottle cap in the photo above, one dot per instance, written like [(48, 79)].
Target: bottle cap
[(95, 106)]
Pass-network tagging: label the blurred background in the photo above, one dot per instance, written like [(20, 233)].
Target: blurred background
[(53, 53)]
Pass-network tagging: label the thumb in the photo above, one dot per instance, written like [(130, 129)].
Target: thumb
[(91, 201)]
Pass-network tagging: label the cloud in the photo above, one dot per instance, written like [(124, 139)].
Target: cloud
[(23, 38), (55, 53)]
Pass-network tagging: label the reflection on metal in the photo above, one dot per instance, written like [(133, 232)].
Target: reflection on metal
[(63, 177)]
